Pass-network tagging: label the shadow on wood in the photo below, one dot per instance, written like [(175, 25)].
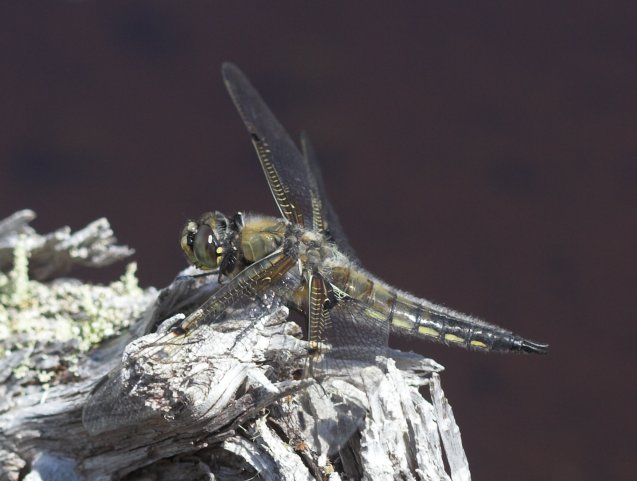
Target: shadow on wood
[(132, 401)]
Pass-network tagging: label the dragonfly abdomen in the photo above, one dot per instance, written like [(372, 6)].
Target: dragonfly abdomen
[(411, 316)]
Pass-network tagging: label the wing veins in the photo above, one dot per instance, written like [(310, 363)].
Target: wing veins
[(279, 156), (252, 280)]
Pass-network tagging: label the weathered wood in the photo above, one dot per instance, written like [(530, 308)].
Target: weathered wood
[(57, 252), (224, 405)]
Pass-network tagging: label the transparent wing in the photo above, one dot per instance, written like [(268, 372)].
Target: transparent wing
[(283, 164), (330, 223), (119, 399), (353, 338), (111, 404)]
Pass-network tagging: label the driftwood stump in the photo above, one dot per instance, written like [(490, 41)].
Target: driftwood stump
[(226, 404)]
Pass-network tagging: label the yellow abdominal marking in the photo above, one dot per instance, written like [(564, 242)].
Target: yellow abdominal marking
[(479, 344), (453, 338), (428, 331), (219, 250), (403, 324), (380, 316)]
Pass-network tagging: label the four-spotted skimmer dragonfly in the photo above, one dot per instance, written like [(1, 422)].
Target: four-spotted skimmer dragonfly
[(304, 259)]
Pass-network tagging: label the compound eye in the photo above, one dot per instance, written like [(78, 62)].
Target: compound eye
[(205, 247)]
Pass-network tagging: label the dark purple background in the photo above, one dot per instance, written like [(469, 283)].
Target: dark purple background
[(481, 156)]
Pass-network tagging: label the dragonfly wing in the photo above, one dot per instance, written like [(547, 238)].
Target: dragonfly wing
[(345, 333), (348, 338), (318, 314), (251, 281), (282, 162), (110, 407), (356, 336), (328, 218), (120, 398)]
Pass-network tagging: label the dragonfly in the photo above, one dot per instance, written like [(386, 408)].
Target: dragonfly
[(304, 259)]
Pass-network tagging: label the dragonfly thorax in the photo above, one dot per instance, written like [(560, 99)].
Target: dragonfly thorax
[(209, 242)]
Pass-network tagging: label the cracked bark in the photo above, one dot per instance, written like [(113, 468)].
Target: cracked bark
[(224, 405)]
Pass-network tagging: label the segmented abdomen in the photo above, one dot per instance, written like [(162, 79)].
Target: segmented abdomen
[(411, 316)]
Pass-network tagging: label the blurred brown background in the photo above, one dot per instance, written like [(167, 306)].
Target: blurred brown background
[(480, 154)]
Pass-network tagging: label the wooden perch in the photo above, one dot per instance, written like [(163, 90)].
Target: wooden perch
[(56, 253), (224, 405)]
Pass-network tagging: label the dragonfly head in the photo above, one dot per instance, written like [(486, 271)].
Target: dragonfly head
[(208, 242)]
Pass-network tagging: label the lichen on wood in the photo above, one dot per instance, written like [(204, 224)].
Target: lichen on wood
[(224, 404)]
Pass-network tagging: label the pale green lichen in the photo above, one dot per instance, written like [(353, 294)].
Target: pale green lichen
[(21, 371), (103, 309), (66, 312), (128, 283), (4, 322), (14, 287)]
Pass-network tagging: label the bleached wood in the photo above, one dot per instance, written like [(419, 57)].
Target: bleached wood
[(56, 253), (223, 406)]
